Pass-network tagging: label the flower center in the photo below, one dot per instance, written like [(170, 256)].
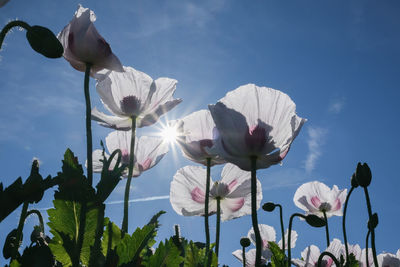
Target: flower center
[(125, 156), (219, 190), (130, 105), (256, 138)]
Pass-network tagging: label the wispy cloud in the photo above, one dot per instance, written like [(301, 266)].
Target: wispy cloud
[(316, 139), (144, 199), (336, 106)]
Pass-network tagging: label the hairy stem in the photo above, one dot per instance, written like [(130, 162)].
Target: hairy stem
[(344, 223), (326, 253), (218, 226), (9, 26), (254, 209), (40, 217), (372, 230), (326, 228), (124, 228), (206, 203), (282, 228)]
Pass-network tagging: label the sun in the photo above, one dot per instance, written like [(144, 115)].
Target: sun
[(169, 134)]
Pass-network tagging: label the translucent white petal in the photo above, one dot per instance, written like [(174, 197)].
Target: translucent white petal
[(267, 234), (149, 151), (114, 122)]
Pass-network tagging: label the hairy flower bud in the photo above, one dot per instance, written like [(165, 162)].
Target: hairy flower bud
[(363, 174), (245, 242), (269, 206)]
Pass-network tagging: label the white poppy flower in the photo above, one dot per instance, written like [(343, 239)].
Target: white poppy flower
[(83, 44), (133, 93), (268, 234), (250, 257), (311, 254), (389, 260), (316, 197), (255, 122), (148, 152), (187, 194), (197, 132)]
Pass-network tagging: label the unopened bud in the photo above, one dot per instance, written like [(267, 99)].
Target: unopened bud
[(245, 242), (354, 182), (363, 174), (373, 221), (43, 41), (315, 221)]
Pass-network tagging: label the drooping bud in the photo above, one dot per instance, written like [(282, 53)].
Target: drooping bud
[(315, 221), (269, 206), (43, 41), (245, 242), (363, 174)]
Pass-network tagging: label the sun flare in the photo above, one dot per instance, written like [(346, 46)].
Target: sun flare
[(169, 134)]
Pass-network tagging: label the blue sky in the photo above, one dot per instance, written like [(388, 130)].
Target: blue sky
[(338, 61)]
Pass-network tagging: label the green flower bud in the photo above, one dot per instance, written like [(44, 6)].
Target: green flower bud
[(43, 41), (269, 206), (315, 221), (245, 242), (363, 174)]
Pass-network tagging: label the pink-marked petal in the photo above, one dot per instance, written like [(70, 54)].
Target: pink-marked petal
[(315, 201), (198, 195)]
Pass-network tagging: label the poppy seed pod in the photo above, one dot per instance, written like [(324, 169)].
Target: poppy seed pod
[(363, 174)]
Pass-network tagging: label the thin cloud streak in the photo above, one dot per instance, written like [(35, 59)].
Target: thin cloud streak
[(144, 199), (336, 106), (316, 139)]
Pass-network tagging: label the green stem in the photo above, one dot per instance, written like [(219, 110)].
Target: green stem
[(326, 253), (326, 228), (40, 217), (344, 223), (290, 235), (89, 146), (206, 203), (124, 228), (218, 226), (366, 248), (244, 256), (254, 220), (372, 230), (282, 228), (9, 26), (83, 210), (19, 229)]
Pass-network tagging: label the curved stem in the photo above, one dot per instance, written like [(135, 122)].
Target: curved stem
[(19, 229), (206, 203), (9, 26), (326, 253), (290, 235), (372, 230), (344, 223), (254, 220), (326, 228), (244, 256), (282, 228), (89, 149), (124, 227), (366, 248), (218, 226), (40, 217)]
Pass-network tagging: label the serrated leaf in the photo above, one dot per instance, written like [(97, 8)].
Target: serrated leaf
[(111, 236), (166, 255), (132, 246), (64, 222), (15, 263), (352, 261), (195, 256), (278, 256)]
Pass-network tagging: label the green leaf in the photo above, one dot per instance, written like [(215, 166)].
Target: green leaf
[(64, 222), (132, 246), (74, 185), (166, 255), (15, 263), (195, 256), (278, 256), (112, 234), (352, 261)]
